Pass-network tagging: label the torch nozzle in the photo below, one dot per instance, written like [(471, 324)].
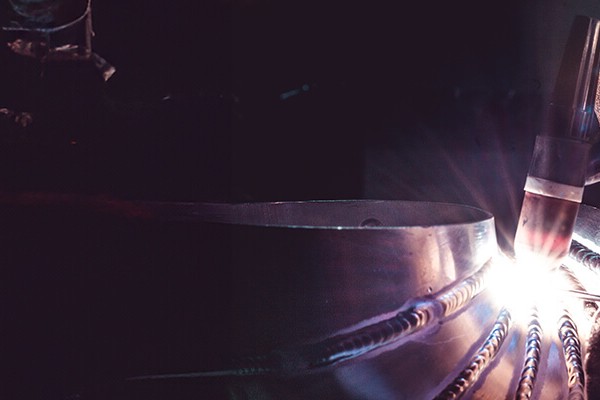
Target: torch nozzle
[(545, 229), (559, 166)]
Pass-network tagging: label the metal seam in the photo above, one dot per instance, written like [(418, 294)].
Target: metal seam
[(567, 332), (590, 306), (353, 344), (585, 256), (404, 323), (480, 360), (532, 358)]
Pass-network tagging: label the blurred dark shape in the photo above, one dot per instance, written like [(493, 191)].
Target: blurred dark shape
[(53, 31), (44, 13), (50, 30)]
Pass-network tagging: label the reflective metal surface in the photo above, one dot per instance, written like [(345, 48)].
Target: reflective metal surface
[(299, 300), (305, 270), (428, 329), (351, 299)]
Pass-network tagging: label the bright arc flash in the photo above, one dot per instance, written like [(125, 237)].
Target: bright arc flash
[(524, 284)]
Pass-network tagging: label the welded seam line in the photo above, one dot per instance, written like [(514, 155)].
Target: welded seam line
[(353, 344), (478, 363), (585, 256), (567, 332), (532, 358), (404, 323)]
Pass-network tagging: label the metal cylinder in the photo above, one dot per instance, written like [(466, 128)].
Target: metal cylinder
[(299, 300), (305, 270)]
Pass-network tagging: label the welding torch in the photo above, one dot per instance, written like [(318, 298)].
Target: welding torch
[(563, 161)]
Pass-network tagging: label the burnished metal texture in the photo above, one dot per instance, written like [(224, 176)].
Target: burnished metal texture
[(344, 300), (587, 224), (304, 270), (339, 299), (381, 300)]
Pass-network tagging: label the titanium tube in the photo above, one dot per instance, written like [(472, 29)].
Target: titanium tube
[(559, 167)]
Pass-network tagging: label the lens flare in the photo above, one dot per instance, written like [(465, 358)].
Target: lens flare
[(529, 283)]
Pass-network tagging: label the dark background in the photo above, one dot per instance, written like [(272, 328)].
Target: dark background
[(258, 100), (247, 100)]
